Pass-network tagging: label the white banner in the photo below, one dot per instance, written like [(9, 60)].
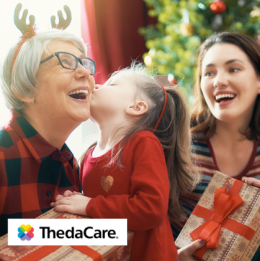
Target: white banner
[(56, 232)]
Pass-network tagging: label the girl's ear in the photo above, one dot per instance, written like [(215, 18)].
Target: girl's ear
[(137, 109)]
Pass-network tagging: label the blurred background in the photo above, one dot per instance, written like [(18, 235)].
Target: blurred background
[(164, 34)]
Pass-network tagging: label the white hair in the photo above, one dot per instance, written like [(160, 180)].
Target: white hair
[(22, 79)]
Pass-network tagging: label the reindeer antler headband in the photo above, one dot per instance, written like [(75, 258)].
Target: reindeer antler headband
[(29, 30)]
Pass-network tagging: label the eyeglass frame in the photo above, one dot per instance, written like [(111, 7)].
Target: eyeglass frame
[(77, 60)]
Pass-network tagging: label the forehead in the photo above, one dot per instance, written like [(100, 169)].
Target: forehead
[(121, 76), (62, 46), (124, 78), (222, 52)]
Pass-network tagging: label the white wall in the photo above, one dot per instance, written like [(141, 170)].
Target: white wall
[(43, 10)]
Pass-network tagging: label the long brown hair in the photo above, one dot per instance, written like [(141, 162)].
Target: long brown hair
[(202, 120), (172, 132)]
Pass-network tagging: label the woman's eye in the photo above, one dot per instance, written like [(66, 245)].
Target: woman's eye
[(208, 73), (86, 64), (234, 69), (66, 62)]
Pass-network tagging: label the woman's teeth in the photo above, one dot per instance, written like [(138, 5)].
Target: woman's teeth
[(79, 94), (220, 97)]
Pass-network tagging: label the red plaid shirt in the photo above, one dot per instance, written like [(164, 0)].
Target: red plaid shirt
[(32, 172)]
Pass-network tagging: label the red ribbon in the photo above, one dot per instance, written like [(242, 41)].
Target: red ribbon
[(46, 250), (224, 205)]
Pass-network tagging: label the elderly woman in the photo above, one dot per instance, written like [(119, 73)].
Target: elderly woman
[(48, 91)]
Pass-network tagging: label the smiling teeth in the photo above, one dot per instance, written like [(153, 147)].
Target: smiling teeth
[(221, 96), (78, 92)]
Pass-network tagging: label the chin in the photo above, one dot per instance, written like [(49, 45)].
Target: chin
[(80, 116), (225, 118)]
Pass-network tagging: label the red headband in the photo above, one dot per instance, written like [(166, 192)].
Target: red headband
[(163, 109), (28, 31)]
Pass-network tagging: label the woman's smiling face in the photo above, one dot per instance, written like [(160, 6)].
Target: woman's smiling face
[(229, 82), (58, 87)]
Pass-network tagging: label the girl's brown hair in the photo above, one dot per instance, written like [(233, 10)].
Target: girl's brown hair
[(202, 120), (172, 132)]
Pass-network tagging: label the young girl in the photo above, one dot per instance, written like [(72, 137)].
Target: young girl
[(140, 162)]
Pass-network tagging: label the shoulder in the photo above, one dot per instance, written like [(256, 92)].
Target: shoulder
[(144, 148), (6, 137), (145, 134), (144, 137), (198, 137), (8, 131), (144, 141), (199, 145), (198, 140)]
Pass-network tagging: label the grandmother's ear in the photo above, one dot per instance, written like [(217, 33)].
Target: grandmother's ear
[(23, 98), (137, 109)]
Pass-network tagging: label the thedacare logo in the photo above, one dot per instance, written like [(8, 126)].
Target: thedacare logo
[(69, 232), (87, 232), (25, 232)]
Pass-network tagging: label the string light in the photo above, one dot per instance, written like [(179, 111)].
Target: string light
[(148, 60)]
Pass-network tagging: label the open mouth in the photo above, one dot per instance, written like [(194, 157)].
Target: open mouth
[(224, 97), (79, 94)]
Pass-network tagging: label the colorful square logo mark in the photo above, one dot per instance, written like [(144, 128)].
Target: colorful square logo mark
[(25, 232)]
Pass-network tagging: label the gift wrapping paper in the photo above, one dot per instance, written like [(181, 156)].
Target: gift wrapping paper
[(232, 246), (64, 253)]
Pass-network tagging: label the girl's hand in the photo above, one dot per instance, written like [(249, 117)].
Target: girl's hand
[(67, 193), (75, 204), (251, 181), (186, 253)]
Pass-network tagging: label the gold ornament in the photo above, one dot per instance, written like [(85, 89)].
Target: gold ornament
[(148, 61), (186, 29), (255, 12)]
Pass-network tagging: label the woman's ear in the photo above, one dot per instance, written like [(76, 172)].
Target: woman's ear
[(23, 98), (137, 109)]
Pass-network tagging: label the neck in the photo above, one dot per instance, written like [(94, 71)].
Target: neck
[(110, 134), (54, 130), (228, 133)]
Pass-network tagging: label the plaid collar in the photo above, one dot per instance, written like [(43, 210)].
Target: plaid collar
[(35, 143)]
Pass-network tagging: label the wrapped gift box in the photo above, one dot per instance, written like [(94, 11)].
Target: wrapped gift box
[(47, 253), (246, 217)]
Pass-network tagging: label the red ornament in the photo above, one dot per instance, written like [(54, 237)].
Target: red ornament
[(173, 81), (218, 7)]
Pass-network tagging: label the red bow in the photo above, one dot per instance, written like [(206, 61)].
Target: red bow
[(224, 205)]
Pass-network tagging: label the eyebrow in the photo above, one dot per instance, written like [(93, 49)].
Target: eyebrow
[(226, 63)]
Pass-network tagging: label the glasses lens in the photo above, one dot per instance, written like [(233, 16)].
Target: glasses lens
[(89, 64), (67, 60)]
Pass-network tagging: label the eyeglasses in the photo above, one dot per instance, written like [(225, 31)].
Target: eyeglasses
[(70, 61)]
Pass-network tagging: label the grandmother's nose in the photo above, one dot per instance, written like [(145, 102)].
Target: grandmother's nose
[(82, 71)]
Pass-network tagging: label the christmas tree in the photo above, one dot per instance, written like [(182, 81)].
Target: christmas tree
[(182, 25)]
